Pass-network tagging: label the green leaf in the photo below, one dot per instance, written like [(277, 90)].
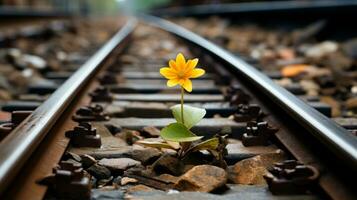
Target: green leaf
[(191, 114), (210, 144), (178, 132), (153, 142)]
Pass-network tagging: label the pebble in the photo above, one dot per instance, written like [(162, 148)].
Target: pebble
[(293, 70), (168, 178), (74, 156), (118, 164), (311, 88), (250, 171), (117, 180), (5, 95), (202, 178), (168, 164), (350, 47), (33, 61), (321, 49), (284, 82), (150, 131), (104, 182), (335, 105), (139, 188), (351, 103), (129, 136), (354, 90), (337, 61), (146, 155), (126, 180), (99, 172), (73, 161), (87, 160)]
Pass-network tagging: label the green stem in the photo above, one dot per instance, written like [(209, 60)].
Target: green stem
[(182, 93)]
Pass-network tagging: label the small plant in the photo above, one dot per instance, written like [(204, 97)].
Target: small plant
[(178, 136)]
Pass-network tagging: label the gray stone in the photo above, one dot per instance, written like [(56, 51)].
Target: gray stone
[(168, 164), (127, 180), (104, 182), (87, 160), (150, 131), (118, 164), (145, 156), (117, 180), (99, 172)]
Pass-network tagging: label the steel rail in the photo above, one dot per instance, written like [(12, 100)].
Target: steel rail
[(16, 149), (337, 139), (256, 7)]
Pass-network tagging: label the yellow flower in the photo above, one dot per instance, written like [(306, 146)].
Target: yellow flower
[(181, 71)]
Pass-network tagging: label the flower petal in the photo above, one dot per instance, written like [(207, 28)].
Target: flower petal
[(191, 64), (172, 82), (168, 73), (197, 73), (180, 61), (187, 85), (181, 81), (173, 65)]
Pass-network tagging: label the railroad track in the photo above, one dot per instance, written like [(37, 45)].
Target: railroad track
[(117, 98), (38, 55)]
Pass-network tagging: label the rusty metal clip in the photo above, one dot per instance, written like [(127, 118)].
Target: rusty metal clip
[(291, 177), (84, 135), (246, 112), (235, 95), (107, 79), (114, 69), (101, 94), (90, 113), (68, 181), (257, 134)]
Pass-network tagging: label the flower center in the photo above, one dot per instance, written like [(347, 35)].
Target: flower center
[(181, 74)]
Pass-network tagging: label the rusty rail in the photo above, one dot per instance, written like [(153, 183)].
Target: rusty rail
[(17, 148)]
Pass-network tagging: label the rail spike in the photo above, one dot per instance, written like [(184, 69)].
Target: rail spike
[(90, 113), (84, 135), (248, 112), (108, 79), (101, 94), (235, 95), (257, 134), (291, 177), (68, 181)]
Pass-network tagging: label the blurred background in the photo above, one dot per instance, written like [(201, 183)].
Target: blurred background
[(81, 7), (107, 7)]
